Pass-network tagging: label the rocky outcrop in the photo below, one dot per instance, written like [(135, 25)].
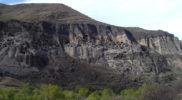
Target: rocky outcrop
[(108, 46), (66, 51)]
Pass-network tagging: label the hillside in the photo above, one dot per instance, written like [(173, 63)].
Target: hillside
[(52, 43), (42, 12)]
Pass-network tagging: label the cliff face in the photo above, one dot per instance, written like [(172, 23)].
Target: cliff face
[(65, 51)]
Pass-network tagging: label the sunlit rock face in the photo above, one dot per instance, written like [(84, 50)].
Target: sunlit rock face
[(123, 49), (58, 45), (100, 44)]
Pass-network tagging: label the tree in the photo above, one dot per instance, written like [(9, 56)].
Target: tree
[(69, 95), (94, 96), (37, 95), (83, 93), (107, 94), (51, 92), (148, 92), (25, 93), (8, 94), (130, 94)]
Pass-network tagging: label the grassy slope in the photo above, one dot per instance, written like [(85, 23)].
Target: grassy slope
[(41, 12)]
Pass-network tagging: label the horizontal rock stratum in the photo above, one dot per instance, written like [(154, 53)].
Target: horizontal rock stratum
[(52, 43)]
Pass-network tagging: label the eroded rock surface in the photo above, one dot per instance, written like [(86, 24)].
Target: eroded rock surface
[(84, 51)]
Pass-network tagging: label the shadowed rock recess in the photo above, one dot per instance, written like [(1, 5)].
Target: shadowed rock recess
[(52, 43)]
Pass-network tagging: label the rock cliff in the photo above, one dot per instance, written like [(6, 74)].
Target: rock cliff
[(52, 43)]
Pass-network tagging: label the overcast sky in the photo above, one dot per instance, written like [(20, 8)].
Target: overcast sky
[(148, 14)]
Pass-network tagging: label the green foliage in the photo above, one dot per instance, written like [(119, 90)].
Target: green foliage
[(83, 92), (107, 94), (69, 95), (94, 96), (37, 95), (24, 94), (1, 97), (147, 91), (8, 94), (53, 92), (77, 88), (130, 94), (143, 93)]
